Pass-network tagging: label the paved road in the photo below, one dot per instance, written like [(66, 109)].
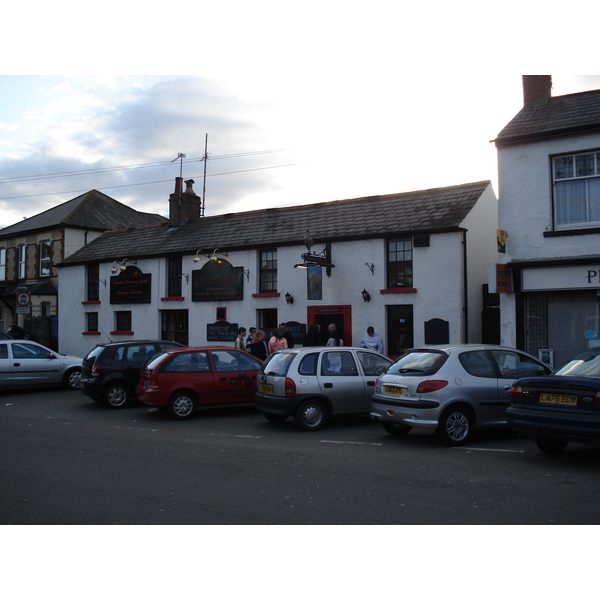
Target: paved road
[(67, 460)]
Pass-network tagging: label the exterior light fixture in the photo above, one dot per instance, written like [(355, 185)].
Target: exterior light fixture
[(371, 267), (366, 296), (289, 298), (121, 264), (301, 266), (197, 258), (212, 257)]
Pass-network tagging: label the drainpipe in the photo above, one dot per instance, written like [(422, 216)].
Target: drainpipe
[(465, 288)]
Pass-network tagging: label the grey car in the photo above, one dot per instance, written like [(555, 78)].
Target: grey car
[(452, 389), (313, 384), (24, 363)]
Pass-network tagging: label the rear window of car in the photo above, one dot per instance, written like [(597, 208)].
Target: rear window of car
[(586, 364), (278, 363), (95, 353), (418, 363)]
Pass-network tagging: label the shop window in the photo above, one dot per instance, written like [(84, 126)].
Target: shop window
[(45, 258), (399, 263), (576, 186), (268, 270)]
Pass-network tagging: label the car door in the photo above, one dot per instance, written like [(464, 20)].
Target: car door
[(341, 382), (33, 364), (234, 376)]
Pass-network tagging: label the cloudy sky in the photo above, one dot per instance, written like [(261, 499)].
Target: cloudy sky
[(320, 102)]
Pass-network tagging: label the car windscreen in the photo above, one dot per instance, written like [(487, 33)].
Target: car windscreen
[(586, 364), (278, 363), (418, 363)]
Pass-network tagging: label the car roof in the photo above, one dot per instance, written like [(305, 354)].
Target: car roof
[(135, 342)]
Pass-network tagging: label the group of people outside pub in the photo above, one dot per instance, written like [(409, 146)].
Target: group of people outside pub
[(256, 344)]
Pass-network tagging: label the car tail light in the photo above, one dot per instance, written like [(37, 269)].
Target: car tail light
[(95, 370), (433, 385), (290, 388), (597, 397), (516, 392)]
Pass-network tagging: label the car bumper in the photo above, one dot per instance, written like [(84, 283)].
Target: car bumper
[(152, 397), (559, 426), (424, 414), (279, 407), (91, 388)]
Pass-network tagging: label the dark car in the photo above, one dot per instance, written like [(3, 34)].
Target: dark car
[(560, 408), (110, 372), (183, 379)]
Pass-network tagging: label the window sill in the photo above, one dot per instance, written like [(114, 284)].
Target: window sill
[(563, 232), (399, 290), (91, 302), (267, 295), (90, 333), (123, 332), (172, 299)]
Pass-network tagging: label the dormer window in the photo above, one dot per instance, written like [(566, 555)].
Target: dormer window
[(576, 184)]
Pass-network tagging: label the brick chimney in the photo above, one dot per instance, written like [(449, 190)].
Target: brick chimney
[(537, 88), (183, 205)]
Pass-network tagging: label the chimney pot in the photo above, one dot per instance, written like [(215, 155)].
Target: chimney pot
[(188, 187), (178, 186)]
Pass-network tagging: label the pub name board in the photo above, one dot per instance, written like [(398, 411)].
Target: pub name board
[(131, 286)]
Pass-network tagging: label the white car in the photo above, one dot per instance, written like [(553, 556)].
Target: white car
[(24, 363)]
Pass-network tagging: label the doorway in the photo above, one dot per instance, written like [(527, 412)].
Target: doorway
[(340, 316)]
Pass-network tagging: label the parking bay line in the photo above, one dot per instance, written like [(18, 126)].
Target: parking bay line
[(354, 443), (486, 449)]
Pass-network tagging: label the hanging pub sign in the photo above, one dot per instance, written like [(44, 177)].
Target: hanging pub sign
[(130, 286), (217, 280)]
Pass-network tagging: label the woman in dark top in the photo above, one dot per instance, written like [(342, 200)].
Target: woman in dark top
[(258, 347), (313, 336)]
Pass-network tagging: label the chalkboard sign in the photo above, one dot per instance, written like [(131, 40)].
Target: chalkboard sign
[(130, 286), (217, 281), (297, 330), (221, 331)]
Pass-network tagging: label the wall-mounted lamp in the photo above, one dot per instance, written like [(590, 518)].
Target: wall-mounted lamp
[(371, 268), (366, 296), (212, 257), (301, 266), (121, 264), (197, 258), (289, 298)]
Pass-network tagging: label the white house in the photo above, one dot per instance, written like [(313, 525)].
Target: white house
[(413, 265), (549, 206)]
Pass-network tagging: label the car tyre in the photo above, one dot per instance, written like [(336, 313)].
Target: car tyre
[(310, 415), (396, 428), (183, 405), (455, 426), (71, 379), (115, 395), (551, 446)]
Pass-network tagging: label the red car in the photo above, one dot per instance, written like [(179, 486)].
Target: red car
[(182, 379)]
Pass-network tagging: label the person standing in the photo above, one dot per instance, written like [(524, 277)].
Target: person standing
[(277, 341), (334, 336), (313, 336), (258, 347), (372, 341), (250, 338), (239, 340), (289, 338)]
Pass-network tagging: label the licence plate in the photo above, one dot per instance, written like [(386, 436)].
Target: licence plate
[(392, 389), (266, 389), (565, 399)]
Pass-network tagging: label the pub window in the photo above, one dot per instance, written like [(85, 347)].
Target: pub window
[(2, 264), (267, 321), (399, 263), (93, 281), (268, 270), (92, 321), (174, 276), (576, 187), (123, 320), (45, 258), (22, 258)]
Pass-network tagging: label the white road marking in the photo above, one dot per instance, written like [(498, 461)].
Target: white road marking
[(355, 443), (486, 449)]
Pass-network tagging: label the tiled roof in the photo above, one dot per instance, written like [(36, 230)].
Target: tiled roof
[(438, 209), (559, 116), (93, 210)]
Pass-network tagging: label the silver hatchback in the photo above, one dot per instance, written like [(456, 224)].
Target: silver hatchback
[(451, 389), (312, 384)]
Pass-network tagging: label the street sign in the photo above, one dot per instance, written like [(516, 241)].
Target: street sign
[(23, 299)]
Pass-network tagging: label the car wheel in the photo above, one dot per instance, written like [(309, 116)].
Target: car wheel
[(71, 379), (550, 446), (395, 428), (115, 395), (455, 426), (276, 418), (183, 405), (310, 415)]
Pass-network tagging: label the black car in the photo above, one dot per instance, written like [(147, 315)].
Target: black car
[(559, 408), (110, 372)]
